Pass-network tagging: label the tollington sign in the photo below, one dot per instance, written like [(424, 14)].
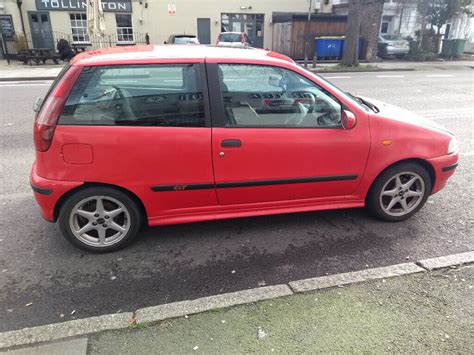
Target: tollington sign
[(80, 5)]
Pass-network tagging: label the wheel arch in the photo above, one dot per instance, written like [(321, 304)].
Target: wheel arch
[(86, 185), (425, 164)]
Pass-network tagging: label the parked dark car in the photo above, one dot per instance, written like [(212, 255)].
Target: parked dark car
[(182, 39)]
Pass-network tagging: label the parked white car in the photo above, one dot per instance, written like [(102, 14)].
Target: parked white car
[(233, 39)]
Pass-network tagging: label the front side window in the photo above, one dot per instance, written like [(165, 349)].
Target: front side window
[(124, 28), (79, 28), (137, 95), (266, 96)]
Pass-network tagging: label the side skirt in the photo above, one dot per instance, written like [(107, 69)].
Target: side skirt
[(250, 212)]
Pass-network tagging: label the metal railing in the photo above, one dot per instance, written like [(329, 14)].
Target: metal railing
[(20, 42)]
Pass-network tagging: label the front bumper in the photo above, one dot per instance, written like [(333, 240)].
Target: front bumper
[(444, 167), (48, 192)]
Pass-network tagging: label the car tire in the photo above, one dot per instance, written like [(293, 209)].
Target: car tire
[(399, 192), (100, 219)]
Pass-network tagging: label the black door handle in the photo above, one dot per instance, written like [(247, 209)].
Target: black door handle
[(231, 143)]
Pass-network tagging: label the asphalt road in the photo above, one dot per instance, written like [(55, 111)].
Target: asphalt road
[(44, 280)]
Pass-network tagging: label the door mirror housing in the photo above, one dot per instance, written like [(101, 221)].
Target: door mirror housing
[(348, 119)]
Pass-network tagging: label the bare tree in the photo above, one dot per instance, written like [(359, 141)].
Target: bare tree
[(364, 19), (350, 55)]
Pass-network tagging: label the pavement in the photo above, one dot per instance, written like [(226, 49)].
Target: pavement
[(399, 309), (20, 71)]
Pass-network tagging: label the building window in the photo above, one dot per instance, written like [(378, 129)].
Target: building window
[(79, 28), (124, 28), (384, 27)]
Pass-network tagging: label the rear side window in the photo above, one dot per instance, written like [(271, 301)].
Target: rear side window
[(137, 95), (230, 37)]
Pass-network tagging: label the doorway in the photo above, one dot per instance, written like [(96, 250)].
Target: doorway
[(41, 32), (204, 30)]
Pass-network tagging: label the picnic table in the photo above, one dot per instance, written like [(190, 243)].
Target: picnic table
[(38, 55)]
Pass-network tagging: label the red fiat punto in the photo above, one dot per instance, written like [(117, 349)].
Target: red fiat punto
[(175, 134)]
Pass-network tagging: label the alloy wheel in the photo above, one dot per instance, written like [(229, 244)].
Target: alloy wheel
[(99, 221), (402, 193)]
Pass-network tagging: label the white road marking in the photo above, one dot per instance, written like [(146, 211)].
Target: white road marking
[(440, 76), (3, 85), (26, 82), (338, 77), (390, 76)]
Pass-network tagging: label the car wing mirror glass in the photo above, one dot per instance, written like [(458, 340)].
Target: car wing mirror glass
[(348, 119)]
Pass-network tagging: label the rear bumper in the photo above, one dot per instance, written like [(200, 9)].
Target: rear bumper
[(397, 50), (48, 192), (444, 167)]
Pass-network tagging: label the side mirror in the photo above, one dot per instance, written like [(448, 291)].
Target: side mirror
[(348, 119)]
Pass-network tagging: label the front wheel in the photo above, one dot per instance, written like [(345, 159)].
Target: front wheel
[(99, 219), (399, 192)]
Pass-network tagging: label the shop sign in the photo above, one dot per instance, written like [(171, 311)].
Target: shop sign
[(81, 5), (171, 10)]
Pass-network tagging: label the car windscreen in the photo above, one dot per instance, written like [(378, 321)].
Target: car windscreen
[(184, 40), (230, 37), (391, 37)]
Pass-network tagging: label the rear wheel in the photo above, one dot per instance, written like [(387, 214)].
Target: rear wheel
[(399, 192), (100, 219)]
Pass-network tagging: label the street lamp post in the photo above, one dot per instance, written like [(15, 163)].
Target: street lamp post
[(19, 3)]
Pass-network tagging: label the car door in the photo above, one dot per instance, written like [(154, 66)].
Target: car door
[(277, 136)]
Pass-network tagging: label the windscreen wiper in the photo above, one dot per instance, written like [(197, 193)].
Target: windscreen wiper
[(366, 103)]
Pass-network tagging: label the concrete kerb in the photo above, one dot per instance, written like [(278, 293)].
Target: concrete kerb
[(318, 283), (447, 261), (58, 331), (179, 309)]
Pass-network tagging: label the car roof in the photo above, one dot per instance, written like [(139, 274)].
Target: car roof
[(232, 33), (166, 53)]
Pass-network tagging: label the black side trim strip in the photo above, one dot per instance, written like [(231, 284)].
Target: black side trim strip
[(160, 188), (449, 167), (224, 185), (41, 191)]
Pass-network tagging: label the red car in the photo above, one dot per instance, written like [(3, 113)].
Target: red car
[(175, 134)]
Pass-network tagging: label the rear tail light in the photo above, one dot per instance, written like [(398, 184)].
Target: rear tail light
[(242, 38), (48, 116)]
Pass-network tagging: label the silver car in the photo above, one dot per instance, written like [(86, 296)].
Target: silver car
[(392, 45), (233, 39)]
